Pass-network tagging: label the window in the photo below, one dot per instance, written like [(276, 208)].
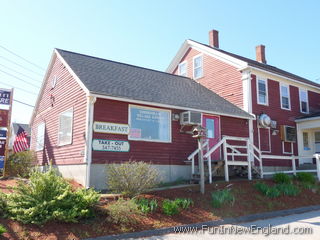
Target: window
[(262, 91), (305, 141), (182, 69), (149, 124), (65, 127), (285, 96), (210, 127), (304, 105), (40, 136), (197, 67)]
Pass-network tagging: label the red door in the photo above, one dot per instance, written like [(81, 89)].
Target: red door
[(212, 124)]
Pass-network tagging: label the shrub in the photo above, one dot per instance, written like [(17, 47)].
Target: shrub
[(221, 197), (288, 189), (122, 210), (271, 192), (2, 229), (49, 197), (3, 204), (173, 207), (281, 178), (20, 164), (305, 177), (132, 178), (147, 206)]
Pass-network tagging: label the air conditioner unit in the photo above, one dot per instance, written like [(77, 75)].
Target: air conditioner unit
[(288, 133), (190, 118)]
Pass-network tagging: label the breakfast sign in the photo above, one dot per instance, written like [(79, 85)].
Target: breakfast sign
[(112, 128)]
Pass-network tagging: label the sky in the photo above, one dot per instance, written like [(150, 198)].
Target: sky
[(148, 33)]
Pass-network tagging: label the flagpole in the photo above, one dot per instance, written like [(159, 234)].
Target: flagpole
[(6, 151)]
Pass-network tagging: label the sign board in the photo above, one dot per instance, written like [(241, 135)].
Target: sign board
[(113, 128), (1, 162), (2, 147), (5, 96), (4, 117), (110, 145), (3, 133)]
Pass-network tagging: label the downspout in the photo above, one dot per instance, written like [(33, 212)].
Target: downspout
[(89, 131)]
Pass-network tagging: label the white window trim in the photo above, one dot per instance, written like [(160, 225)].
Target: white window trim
[(283, 148), (300, 102), (179, 66), (37, 137), (289, 98), (199, 55), (267, 94), (68, 143), (269, 137), (155, 109)]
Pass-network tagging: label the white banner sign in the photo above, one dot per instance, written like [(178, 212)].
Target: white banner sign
[(110, 145), (113, 128)]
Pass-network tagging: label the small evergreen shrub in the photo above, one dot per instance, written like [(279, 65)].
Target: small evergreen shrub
[(173, 207), (122, 210), (146, 205), (132, 178), (306, 177), (281, 178), (49, 197), (288, 189), (20, 164), (2, 230), (222, 197)]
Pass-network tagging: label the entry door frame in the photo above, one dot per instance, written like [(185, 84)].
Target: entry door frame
[(203, 115)]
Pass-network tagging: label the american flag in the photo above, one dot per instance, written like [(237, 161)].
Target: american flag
[(20, 142)]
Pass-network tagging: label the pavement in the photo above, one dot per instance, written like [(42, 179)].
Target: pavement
[(304, 226)]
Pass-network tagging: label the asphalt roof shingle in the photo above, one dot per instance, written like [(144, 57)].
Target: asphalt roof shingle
[(122, 80)]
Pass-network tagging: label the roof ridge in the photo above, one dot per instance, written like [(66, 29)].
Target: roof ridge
[(127, 64)]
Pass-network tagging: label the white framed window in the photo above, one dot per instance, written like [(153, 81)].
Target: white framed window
[(197, 66), (285, 97), (65, 127), (304, 103), (149, 124), (262, 91), (40, 136), (182, 69), (306, 144)]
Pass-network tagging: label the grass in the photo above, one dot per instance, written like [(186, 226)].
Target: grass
[(222, 197), (2, 230)]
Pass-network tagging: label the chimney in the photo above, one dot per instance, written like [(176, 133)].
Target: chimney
[(214, 38), (260, 54)]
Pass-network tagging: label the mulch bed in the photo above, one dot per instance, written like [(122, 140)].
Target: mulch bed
[(247, 201)]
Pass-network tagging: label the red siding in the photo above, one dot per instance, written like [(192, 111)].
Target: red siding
[(67, 94), (174, 153), (234, 127), (218, 76)]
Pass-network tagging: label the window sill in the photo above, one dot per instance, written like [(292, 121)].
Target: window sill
[(287, 109)]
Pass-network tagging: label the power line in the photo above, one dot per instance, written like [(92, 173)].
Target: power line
[(9, 74), (15, 100), (20, 73), (22, 58), (20, 65), (21, 89)]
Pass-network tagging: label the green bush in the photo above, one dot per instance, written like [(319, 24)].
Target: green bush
[(146, 205), (305, 177), (131, 178), (122, 210), (281, 178), (2, 229), (49, 197), (288, 189), (221, 197), (20, 164), (3, 204), (173, 207), (266, 190)]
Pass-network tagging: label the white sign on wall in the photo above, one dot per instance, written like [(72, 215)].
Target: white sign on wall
[(110, 145), (113, 128)]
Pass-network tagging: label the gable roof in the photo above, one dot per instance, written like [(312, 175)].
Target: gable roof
[(115, 79), (254, 63)]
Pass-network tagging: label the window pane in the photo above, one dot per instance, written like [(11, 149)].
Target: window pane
[(306, 141), (262, 98), (285, 102), (40, 136), (284, 91), (262, 86), (304, 107), (317, 137), (197, 72), (197, 62), (65, 128), (210, 127), (262, 91), (303, 96), (149, 124), (183, 69)]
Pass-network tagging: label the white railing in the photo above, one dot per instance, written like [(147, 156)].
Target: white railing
[(252, 153)]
